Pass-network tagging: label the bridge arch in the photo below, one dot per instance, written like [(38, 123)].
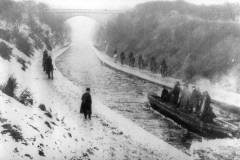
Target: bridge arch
[(97, 14)]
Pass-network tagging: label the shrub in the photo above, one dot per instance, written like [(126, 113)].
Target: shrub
[(47, 43), (5, 51), (42, 107), (22, 62), (37, 41), (178, 32), (14, 131), (5, 35), (26, 98), (23, 44), (10, 87)]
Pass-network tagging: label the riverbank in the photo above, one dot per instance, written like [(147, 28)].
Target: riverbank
[(228, 101)]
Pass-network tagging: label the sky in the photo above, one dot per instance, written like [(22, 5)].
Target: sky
[(115, 4)]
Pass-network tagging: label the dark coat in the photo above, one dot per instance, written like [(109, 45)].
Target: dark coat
[(165, 95), (86, 106), (45, 56), (207, 114), (122, 57), (195, 100), (175, 94), (49, 65)]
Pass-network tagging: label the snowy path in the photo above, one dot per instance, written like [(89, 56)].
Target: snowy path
[(224, 99)]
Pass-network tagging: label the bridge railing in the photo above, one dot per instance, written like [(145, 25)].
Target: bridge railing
[(100, 11)]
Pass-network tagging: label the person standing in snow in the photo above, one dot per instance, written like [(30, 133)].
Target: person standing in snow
[(86, 106), (140, 62), (153, 65), (49, 67), (130, 59), (115, 56), (163, 68), (45, 56), (122, 57)]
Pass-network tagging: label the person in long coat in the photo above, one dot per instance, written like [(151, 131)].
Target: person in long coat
[(195, 100), (174, 94), (153, 65), (131, 59), (122, 57), (86, 105), (164, 68), (206, 112), (49, 67), (44, 60), (185, 97), (140, 62), (165, 95)]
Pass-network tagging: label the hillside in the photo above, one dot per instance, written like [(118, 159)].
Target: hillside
[(197, 42), (26, 121)]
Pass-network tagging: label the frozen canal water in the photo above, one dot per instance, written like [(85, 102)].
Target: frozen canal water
[(122, 93)]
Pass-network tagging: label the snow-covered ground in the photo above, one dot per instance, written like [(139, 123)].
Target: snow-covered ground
[(59, 131), (217, 94)]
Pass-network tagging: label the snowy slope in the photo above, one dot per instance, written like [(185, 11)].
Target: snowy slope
[(59, 132)]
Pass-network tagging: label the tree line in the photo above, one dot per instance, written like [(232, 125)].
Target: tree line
[(195, 41), (45, 28)]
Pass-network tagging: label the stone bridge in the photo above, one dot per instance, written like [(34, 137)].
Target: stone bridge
[(97, 14)]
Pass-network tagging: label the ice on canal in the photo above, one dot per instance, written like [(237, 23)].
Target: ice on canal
[(128, 96)]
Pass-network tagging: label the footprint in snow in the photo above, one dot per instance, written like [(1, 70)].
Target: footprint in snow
[(70, 135), (41, 153), (117, 132), (48, 124), (15, 150), (96, 148), (89, 150), (29, 156)]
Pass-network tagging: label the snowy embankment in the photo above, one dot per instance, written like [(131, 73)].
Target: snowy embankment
[(224, 99), (57, 131)]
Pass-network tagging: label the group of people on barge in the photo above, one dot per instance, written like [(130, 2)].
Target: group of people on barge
[(139, 62), (47, 64), (190, 101)]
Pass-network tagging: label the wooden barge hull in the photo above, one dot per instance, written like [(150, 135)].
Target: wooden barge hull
[(190, 121)]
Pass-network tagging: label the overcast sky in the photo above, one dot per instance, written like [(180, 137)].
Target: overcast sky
[(115, 4)]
